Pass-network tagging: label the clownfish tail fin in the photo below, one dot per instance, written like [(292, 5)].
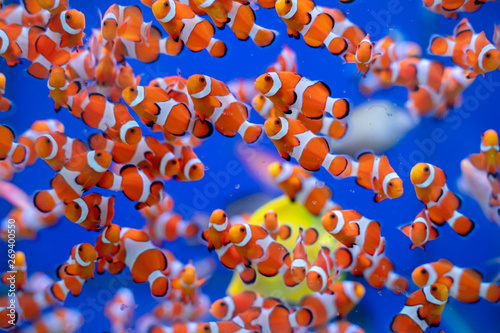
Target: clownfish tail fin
[(490, 291), (461, 224), (46, 200)]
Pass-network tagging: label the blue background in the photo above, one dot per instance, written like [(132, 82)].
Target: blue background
[(244, 59)]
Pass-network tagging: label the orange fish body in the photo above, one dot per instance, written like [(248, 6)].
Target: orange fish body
[(55, 7), (187, 282), (20, 275), (274, 228), (19, 42), (106, 246), (81, 65), (349, 227), (381, 274), (18, 14), (60, 88), (364, 55), (319, 275), (464, 284), (10, 150), (213, 100), (293, 139), (80, 173), (57, 320), (343, 27), (292, 91), (421, 310), (302, 17), (300, 264), (56, 149), (421, 230), (442, 204), (5, 104), (93, 211), (170, 226), (276, 319), (239, 17), (489, 160), (231, 306), (182, 24), (352, 259), (347, 295), (286, 62), (125, 22)]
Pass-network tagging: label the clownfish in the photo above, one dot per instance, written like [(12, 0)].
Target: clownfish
[(173, 310), (190, 166), (55, 7), (20, 14), (286, 62), (217, 237), (274, 228), (239, 17), (120, 310), (93, 211), (255, 245), (381, 274), (213, 100), (157, 107), (347, 295), (300, 264), (319, 275), (11, 150), (106, 245), (413, 72), (391, 50), (352, 259), (421, 230), (58, 320), (350, 227), (188, 283), (277, 318), (80, 173), (442, 204), (145, 261), (449, 8), (422, 309), (489, 160), (18, 42), (364, 55), (5, 104), (343, 27), (475, 49), (37, 129), (185, 27), (136, 185), (288, 90), (6, 322), (299, 185), (231, 306), (64, 32), (216, 327), (341, 326), (464, 284), (74, 272), (81, 65), (60, 88), (302, 17), (56, 149), (124, 22), (19, 271), (170, 226), (293, 139)]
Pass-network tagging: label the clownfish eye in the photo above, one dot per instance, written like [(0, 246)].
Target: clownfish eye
[(206, 328), (132, 130), (47, 140), (287, 2), (194, 167), (202, 79), (426, 169), (77, 206), (332, 216), (318, 276), (132, 89), (166, 4), (224, 215), (412, 226), (68, 16), (222, 304), (390, 183), (277, 122), (434, 288), (98, 154), (80, 249), (488, 55), (423, 271), (105, 23), (242, 229), (174, 161), (267, 78)]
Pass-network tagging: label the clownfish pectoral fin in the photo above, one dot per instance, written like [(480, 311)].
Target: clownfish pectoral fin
[(477, 160), (472, 58), (433, 233), (471, 74), (350, 58), (310, 236), (424, 312), (72, 269), (406, 229), (293, 33), (285, 232), (284, 155), (74, 88)]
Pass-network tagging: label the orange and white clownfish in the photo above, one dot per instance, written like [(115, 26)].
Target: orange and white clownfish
[(56, 149), (303, 17), (240, 18), (293, 139), (29, 221), (20, 14), (64, 32), (5, 104), (288, 90), (79, 174), (217, 327), (188, 283), (319, 275), (489, 160), (93, 211), (274, 228), (352, 259), (286, 62), (124, 22), (173, 310), (350, 227), (185, 27), (8, 319), (112, 118), (58, 320), (364, 55), (155, 106), (300, 264), (442, 204), (169, 226), (81, 65), (299, 185), (375, 172), (137, 185), (391, 50), (421, 230), (468, 49), (341, 326), (449, 8), (60, 88), (343, 27), (414, 72), (190, 166), (255, 245), (10, 150), (464, 284), (74, 272), (243, 89), (328, 126), (145, 261), (18, 274), (18, 42), (278, 318), (106, 246), (120, 310), (422, 309), (347, 295), (55, 7), (217, 236), (213, 101), (381, 274), (231, 306), (37, 129)]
